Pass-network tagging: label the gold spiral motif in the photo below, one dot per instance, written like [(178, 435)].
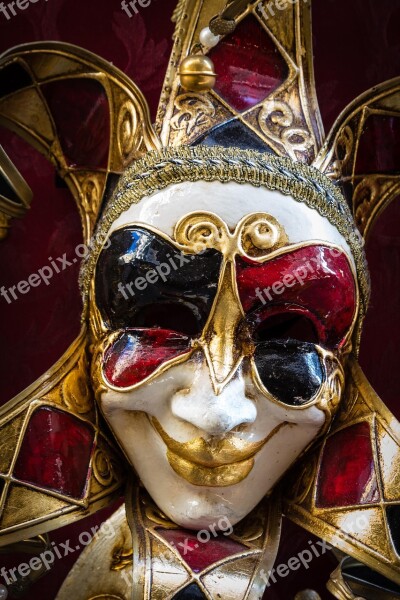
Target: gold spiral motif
[(261, 234), (199, 231), (91, 195), (127, 127), (102, 468), (255, 236)]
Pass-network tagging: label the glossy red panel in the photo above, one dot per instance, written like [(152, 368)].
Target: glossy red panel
[(316, 281), (55, 452), (139, 352), (347, 472), (81, 114), (197, 551), (248, 65)]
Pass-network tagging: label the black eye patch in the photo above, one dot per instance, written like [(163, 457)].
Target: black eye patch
[(290, 370), (142, 280)]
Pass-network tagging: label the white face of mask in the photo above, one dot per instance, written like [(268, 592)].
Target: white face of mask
[(221, 367)]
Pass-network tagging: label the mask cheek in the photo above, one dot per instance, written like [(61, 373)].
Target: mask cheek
[(138, 353)]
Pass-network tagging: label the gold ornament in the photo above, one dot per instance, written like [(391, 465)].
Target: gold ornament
[(197, 73)]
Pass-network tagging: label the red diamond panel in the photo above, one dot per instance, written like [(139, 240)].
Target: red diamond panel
[(248, 65), (55, 452), (139, 352), (198, 553), (347, 473)]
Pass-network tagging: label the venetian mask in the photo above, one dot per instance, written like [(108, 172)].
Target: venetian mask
[(222, 312)]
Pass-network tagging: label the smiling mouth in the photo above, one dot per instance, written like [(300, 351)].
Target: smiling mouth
[(214, 463)]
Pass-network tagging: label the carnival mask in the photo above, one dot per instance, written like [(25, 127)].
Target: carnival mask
[(226, 310)]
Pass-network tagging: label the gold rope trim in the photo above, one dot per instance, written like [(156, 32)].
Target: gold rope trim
[(159, 169)]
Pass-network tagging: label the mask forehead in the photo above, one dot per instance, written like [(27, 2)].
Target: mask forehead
[(231, 202)]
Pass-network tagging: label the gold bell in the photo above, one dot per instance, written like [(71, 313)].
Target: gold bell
[(197, 73)]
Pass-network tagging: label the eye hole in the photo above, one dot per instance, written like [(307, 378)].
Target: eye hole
[(290, 370), (171, 316), (287, 326)]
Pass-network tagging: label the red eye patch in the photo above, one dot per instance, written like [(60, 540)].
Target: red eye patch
[(315, 281), (137, 353)]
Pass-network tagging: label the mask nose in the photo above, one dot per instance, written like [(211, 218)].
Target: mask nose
[(214, 413)]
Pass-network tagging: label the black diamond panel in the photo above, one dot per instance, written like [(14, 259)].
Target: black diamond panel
[(191, 592)]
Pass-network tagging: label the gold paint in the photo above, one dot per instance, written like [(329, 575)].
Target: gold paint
[(74, 389), (277, 121), (26, 112), (196, 73), (9, 207), (193, 112), (372, 192), (102, 468), (156, 171), (121, 559), (215, 462), (160, 570), (220, 337), (370, 543), (290, 31), (307, 595), (25, 505), (222, 476), (154, 569), (63, 386), (339, 588)]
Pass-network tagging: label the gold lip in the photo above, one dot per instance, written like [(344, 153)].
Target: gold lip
[(214, 463), (221, 476)]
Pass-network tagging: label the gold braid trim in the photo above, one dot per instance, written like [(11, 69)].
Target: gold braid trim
[(159, 169)]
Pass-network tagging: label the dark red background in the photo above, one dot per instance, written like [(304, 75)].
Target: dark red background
[(356, 46)]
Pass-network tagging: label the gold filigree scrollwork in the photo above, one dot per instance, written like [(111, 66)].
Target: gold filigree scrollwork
[(369, 192), (196, 232), (102, 468), (255, 236), (343, 150), (91, 195), (277, 121), (194, 111), (127, 129), (335, 382), (261, 234), (370, 196)]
